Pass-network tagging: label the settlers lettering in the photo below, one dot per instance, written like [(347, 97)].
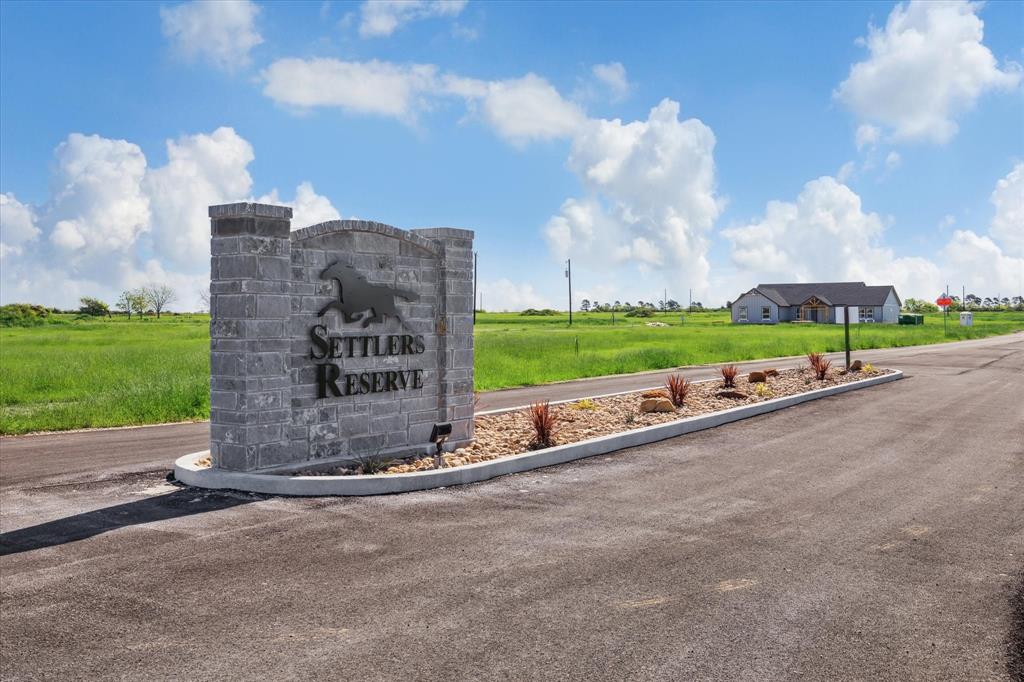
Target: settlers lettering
[(359, 301), (329, 375)]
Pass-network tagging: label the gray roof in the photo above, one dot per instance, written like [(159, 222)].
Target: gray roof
[(830, 293)]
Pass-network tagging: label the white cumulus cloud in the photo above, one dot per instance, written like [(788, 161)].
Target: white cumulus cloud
[(993, 263), (519, 109), (308, 207), (373, 87), (524, 109), (651, 195), (202, 170), (977, 262), (379, 18), (17, 225), (113, 223), (222, 32), (924, 68), (825, 236), (98, 203), (1008, 223)]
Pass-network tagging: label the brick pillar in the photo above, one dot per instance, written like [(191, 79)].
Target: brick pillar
[(455, 344), (250, 305)]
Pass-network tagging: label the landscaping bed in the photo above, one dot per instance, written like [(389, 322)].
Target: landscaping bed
[(513, 432)]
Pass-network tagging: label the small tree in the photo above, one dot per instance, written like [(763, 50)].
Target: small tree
[(125, 303), (585, 305), (132, 301), (93, 306), (159, 296)]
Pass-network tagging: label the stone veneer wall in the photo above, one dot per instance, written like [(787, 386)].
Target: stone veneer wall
[(266, 292)]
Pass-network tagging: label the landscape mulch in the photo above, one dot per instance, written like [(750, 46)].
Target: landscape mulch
[(510, 433)]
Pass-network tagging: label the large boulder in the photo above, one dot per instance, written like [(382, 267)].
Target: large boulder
[(771, 372), (856, 366), (657, 405), (757, 377)]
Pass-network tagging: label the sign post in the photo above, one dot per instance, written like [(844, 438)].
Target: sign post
[(846, 328), (568, 275), (945, 302)]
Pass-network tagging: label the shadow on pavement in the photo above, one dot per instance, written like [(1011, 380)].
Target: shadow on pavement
[(183, 502)]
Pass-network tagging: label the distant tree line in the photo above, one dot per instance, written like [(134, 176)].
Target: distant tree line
[(148, 299), (970, 302), (669, 306)]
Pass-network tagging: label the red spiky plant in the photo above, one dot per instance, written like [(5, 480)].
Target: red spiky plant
[(819, 365), (678, 387), (545, 425), (729, 373)]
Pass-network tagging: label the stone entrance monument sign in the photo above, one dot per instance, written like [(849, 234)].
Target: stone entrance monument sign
[(343, 340)]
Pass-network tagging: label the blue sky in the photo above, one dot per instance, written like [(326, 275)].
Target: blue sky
[(705, 146)]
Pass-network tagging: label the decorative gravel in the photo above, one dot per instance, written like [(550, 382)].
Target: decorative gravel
[(510, 433)]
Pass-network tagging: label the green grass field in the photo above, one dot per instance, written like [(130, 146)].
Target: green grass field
[(116, 372), (512, 350)]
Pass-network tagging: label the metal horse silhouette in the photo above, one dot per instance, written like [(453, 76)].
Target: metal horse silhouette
[(360, 301)]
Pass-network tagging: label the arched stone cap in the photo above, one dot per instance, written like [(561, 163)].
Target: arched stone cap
[(414, 237), (443, 232)]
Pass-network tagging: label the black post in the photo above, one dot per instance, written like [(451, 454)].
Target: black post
[(945, 315), (846, 326), (475, 258), (568, 273)]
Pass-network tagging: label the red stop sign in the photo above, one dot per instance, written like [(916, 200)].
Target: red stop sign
[(944, 301)]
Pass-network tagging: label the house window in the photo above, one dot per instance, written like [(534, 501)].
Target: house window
[(866, 314), (743, 314), (766, 313)]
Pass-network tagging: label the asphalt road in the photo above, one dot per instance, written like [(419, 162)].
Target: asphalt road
[(92, 452), (873, 535)]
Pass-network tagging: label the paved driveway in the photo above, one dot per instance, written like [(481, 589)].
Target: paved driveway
[(874, 535), (100, 451)]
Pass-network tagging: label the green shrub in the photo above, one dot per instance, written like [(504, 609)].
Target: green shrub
[(641, 312), (23, 315), (533, 312), (93, 307)]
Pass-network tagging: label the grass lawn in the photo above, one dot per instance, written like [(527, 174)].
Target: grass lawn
[(513, 350), (104, 373), (116, 372)]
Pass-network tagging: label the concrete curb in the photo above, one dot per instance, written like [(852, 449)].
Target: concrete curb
[(188, 473)]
